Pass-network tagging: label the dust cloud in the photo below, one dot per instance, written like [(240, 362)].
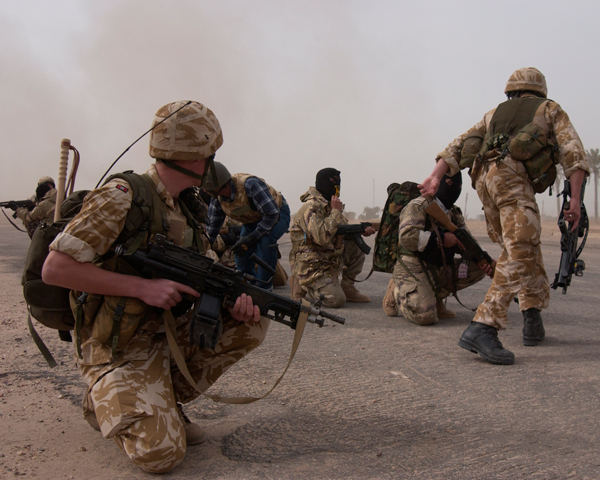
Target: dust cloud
[(373, 90)]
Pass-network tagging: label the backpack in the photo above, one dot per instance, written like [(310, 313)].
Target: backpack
[(386, 242), (49, 304)]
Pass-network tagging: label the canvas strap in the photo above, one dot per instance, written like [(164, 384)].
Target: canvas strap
[(177, 354)]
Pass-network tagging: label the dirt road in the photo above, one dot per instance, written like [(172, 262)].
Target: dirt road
[(377, 398)]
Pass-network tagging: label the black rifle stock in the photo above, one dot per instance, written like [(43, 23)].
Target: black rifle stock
[(218, 285), (472, 249), (356, 231), (14, 204), (569, 259)]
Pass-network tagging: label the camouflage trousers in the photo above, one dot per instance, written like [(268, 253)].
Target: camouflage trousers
[(513, 221), (415, 297), (329, 286), (135, 401)]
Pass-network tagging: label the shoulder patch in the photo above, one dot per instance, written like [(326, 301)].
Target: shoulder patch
[(123, 188)]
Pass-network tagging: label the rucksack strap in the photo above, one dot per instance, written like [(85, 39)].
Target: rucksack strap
[(39, 342)]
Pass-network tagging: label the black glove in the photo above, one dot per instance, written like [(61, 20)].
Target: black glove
[(245, 243)]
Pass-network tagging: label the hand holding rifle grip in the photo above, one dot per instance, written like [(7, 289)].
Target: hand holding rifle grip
[(471, 246)]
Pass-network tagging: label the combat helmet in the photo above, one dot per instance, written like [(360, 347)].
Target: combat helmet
[(216, 181), (193, 133), (530, 79), (46, 179)]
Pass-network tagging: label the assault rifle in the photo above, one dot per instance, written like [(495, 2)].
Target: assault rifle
[(14, 204), (473, 250), (569, 259), (356, 231), (218, 285)]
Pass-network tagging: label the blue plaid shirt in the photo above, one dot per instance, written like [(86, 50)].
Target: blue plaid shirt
[(260, 199)]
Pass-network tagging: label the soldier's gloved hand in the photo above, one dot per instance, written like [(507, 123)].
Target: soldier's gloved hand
[(244, 244)]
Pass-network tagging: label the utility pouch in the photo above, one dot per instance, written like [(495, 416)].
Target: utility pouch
[(470, 149), (527, 143), (541, 169)]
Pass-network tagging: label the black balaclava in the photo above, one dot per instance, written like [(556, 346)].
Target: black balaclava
[(41, 190), (448, 194), (328, 182)]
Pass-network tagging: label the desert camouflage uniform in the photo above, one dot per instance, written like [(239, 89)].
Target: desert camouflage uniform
[(414, 288), (512, 215), (44, 210), (132, 398), (318, 255)]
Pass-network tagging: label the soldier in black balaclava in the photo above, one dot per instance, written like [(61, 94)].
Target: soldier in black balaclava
[(431, 266), (318, 254)]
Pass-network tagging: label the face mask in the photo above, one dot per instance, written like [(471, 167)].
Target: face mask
[(328, 182), (449, 191)]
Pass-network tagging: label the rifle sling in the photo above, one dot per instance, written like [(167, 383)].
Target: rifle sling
[(170, 330)]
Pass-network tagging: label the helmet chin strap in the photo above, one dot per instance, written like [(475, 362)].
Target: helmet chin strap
[(210, 164)]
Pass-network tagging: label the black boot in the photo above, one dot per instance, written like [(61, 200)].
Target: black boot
[(533, 328), (483, 339)]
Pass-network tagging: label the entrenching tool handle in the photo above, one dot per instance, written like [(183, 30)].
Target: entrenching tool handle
[(65, 144)]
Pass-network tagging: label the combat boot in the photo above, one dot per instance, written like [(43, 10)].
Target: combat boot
[(483, 339), (389, 301), (353, 295), (533, 328), (442, 311), (194, 435)]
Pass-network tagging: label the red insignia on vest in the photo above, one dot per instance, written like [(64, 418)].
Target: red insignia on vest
[(122, 188)]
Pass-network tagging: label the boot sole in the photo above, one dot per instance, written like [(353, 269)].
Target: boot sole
[(531, 342), (473, 348)]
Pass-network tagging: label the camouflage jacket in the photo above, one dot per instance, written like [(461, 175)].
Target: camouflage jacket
[(315, 248), (416, 228), (44, 210), (571, 154), (87, 238)]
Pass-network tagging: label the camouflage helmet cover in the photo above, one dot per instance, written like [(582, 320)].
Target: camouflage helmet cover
[(46, 179), (193, 133), (527, 79), (222, 177)]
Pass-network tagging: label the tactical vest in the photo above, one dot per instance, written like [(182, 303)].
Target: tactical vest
[(239, 208), (518, 128), (109, 320)]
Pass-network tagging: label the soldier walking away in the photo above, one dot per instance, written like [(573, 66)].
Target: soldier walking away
[(135, 388), (427, 271), (45, 201), (318, 254), (511, 155), (262, 211)]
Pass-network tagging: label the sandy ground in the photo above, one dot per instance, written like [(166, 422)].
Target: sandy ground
[(378, 397)]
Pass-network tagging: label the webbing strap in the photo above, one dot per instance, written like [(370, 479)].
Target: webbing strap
[(170, 330), (39, 342), (116, 326)]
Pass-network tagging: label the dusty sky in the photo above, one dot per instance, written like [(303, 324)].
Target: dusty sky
[(373, 88)]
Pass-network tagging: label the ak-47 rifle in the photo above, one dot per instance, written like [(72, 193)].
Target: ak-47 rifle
[(218, 285), (14, 204), (569, 259), (356, 231), (473, 250)]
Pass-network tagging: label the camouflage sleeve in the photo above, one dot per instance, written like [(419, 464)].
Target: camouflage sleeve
[(451, 154), (93, 230), (41, 212), (412, 225), (321, 228), (571, 154)]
